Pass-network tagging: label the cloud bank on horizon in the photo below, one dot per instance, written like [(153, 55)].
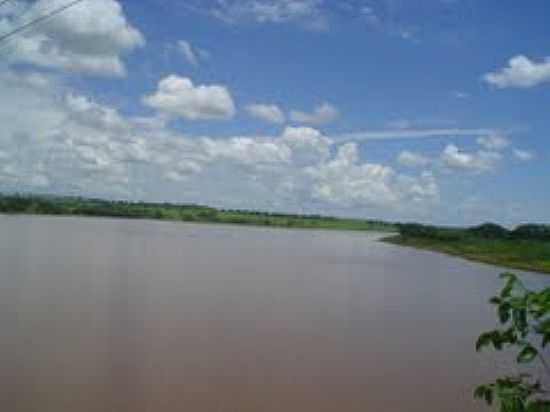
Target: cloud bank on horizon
[(349, 108)]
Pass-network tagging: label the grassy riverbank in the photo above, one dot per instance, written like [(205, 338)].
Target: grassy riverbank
[(75, 206), (527, 247), (513, 249)]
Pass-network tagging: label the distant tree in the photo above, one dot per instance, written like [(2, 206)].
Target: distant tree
[(490, 231), (532, 232), (524, 316)]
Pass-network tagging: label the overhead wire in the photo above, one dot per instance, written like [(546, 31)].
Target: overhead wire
[(6, 37), (38, 20)]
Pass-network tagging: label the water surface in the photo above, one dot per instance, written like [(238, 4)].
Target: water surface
[(130, 316)]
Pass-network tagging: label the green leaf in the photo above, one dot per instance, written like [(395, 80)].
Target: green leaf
[(513, 405), (517, 302), (497, 339), (479, 391), (527, 354), (484, 392), (484, 340), (510, 336), (543, 327), (489, 397), (508, 276), (504, 313), (495, 300), (519, 317), (538, 406), (511, 281)]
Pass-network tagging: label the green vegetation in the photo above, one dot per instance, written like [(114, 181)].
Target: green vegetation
[(526, 247), (50, 205), (524, 316)]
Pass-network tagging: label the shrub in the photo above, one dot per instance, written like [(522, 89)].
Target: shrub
[(525, 319)]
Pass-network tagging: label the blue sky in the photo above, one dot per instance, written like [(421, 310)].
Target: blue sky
[(432, 110)]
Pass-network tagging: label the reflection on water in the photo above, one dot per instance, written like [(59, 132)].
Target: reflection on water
[(114, 315)]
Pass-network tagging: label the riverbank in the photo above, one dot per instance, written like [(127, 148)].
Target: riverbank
[(525, 248), (530, 255), (74, 206)]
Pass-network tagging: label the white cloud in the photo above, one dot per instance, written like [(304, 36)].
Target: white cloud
[(324, 113), (493, 141), (306, 12), (523, 155), (520, 72), (411, 159), (477, 162), (188, 52), (270, 113), (388, 25), (87, 38), (308, 145), (410, 134), (180, 97), (460, 95), (247, 150), (68, 143), (346, 182), (192, 55)]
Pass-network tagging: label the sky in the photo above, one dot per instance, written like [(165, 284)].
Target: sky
[(435, 111)]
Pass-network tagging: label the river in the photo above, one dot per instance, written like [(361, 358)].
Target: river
[(130, 316)]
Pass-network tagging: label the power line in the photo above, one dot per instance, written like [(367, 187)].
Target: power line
[(16, 18), (38, 19)]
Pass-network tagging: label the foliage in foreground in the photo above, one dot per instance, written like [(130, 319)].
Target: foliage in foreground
[(524, 316)]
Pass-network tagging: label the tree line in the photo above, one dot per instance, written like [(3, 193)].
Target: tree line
[(485, 231)]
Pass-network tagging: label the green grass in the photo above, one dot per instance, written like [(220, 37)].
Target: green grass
[(531, 255)]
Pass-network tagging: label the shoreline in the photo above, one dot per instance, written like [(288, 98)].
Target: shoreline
[(453, 250), (386, 236), (383, 232), (73, 206)]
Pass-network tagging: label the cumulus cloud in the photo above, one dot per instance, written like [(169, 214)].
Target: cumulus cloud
[(493, 141), (347, 182), (308, 145), (521, 72), (412, 159), (477, 162), (523, 155), (322, 114), (178, 96), (247, 150), (87, 38), (69, 143), (270, 113)]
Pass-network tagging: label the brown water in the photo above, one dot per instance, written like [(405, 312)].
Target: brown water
[(115, 315)]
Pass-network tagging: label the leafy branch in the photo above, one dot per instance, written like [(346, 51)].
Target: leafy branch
[(524, 316)]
